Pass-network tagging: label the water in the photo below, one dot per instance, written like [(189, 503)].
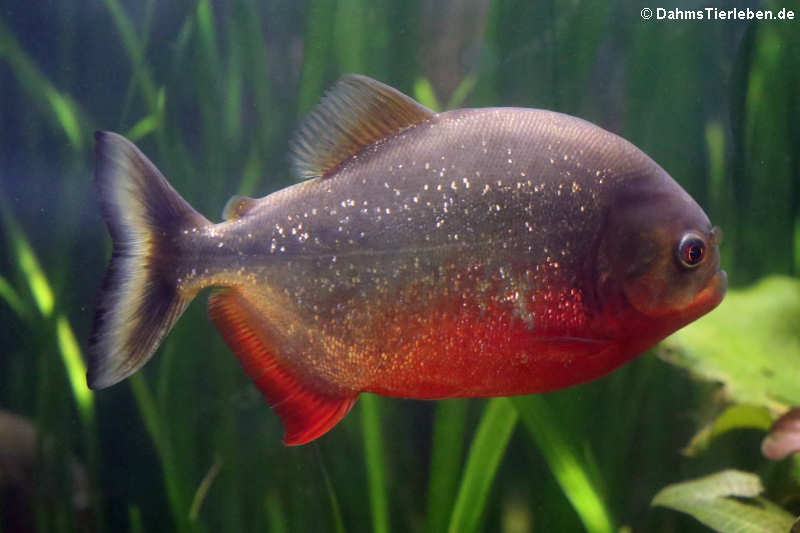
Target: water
[(212, 93)]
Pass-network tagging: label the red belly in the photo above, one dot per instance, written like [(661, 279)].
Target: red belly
[(466, 349)]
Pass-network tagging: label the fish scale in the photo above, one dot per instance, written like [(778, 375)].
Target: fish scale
[(477, 252)]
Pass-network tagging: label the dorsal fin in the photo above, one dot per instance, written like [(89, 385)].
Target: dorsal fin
[(356, 112), (237, 206)]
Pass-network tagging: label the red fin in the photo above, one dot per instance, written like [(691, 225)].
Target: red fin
[(306, 413)]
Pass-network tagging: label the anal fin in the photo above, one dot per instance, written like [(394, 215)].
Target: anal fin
[(305, 412)]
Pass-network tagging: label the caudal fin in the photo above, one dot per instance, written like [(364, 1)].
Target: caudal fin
[(139, 302)]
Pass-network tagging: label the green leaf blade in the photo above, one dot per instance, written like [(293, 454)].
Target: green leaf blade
[(375, 462), (727, 502), (573, 477), (750, 344), (488, 447), (446, 459)]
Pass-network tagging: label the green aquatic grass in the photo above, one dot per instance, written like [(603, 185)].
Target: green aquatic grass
[(424, 94), (315, 55), (336, 511), (486, 451), (765, 174), (76, 369), (209, 74), (449, 428), (150, 123), (13, 299), (463, 91), (133, 43), (27, 264), (276, 517), (719, 193), (251, 54), (59, 108), (375, 462), (55, 324), (349, 43), (213, 92), (135, 519), (157, 427), (572, 475), (42, 295), (203, 488)]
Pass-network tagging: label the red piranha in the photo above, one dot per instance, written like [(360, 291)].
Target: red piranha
[(477, 252)]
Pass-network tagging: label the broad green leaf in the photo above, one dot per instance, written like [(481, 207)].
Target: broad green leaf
[(737, 416), (750, 344), (727, 502)]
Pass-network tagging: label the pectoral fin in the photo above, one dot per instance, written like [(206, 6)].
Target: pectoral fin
[(306, 412)]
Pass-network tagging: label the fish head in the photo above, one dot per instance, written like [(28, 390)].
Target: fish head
[(660, 254)]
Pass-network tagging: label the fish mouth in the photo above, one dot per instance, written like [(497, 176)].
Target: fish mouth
[(711, 295)]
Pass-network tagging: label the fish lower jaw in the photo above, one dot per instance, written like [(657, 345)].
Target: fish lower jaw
[(705, 301)]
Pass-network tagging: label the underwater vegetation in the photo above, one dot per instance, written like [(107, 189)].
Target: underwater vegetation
[(212, 92)]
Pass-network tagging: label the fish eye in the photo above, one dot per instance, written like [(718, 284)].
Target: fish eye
[(691, 250)]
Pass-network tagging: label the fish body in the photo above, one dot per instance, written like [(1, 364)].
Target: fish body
[(476, 252)]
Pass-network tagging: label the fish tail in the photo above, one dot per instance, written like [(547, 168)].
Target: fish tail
[(139, 301)]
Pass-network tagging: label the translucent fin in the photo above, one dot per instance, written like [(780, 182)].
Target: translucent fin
[(139, 303), (353, 114), (238, 206), (306, 413)]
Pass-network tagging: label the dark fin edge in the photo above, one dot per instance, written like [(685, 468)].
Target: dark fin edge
[(138, 302), (356, 112), (306, 414)]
